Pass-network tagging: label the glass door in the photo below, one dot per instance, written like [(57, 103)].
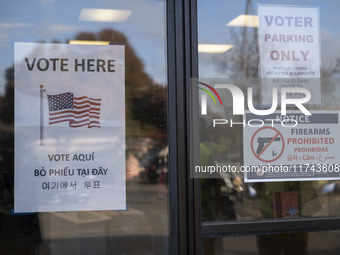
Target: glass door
[(142, 226), (272, 179)]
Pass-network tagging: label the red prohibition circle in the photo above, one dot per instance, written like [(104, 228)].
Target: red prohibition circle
[(258, 157)]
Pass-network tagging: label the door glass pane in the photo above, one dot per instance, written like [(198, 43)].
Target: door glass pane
[(143, 227), (229, 54)]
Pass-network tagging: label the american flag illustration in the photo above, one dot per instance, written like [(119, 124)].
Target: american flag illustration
[(78, 111)]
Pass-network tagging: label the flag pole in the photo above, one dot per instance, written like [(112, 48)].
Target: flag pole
[(41, 115)]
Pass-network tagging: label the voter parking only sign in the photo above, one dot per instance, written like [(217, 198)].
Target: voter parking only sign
[(289, 49), (69, 127), (292, 147)]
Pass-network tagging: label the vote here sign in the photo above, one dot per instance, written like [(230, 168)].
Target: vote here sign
[(69, 127)]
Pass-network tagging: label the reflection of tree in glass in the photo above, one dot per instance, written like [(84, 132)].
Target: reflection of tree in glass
[(241, 60), (145, 100), (7, 102)]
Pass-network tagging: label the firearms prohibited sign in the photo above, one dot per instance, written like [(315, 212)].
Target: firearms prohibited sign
[(292, 147), (267, 144)]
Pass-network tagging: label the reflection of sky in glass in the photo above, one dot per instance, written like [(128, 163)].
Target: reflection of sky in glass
[(214, 15), (52, 20)]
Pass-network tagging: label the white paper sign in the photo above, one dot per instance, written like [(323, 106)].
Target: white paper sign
[(69, 127), (289, 49), (280, 149)]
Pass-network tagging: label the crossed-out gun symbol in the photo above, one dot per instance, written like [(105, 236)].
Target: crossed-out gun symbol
[(264, 141)]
